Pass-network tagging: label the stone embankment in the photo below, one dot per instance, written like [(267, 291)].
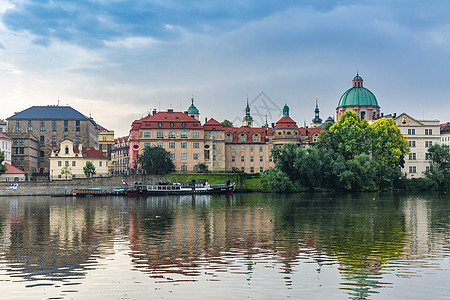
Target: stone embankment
[(64, 187)]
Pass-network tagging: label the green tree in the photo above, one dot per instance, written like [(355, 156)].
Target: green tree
[(440, 154), (227, 123), (203, 167), (66, 170), (156, 161), (287, 159), (2, 166), (360, 174), (277, 181), (350, 136), (439, 166), (325, 140), (89, 169)]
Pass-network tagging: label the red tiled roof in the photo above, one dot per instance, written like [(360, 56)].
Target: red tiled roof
[(249, 131), (286, 122), (213, 125), (92, 153), (165, 118), (101, 128), (13, 170), (5, 137)]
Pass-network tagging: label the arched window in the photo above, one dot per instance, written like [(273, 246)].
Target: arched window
[(67, 150)]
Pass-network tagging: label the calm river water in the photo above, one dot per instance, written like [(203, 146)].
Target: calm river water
[(257, 246)]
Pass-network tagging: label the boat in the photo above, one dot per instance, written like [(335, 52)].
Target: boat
[(88, 192), (189, 188)]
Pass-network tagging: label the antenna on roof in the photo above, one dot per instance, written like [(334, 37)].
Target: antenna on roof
[(58, 100)]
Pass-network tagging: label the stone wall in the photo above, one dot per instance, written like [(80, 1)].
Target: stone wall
[(64, 187)]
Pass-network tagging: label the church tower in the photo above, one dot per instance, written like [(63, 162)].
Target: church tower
[(248, 120), (193, 111), (317, 121)]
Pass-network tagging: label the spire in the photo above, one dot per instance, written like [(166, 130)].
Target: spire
[(192, 110), (317, 119), (285, 110), (267, 124), (248, 120)]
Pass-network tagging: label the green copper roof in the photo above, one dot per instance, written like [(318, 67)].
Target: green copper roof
[(358, 96), (357, 77), (286, 110), (192, 109)]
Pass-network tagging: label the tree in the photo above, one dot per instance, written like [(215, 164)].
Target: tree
[(440, 154), (66, 170), (227, 123), (439, 166), (89, 169), (325, 140), (2, 166), (203, 167), (156, 161), (350, 136), (277, 181)]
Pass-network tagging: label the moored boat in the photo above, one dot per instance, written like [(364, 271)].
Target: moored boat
[(201, 187), (88, 192)]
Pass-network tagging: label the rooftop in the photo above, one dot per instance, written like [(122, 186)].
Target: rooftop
[(50, 112)]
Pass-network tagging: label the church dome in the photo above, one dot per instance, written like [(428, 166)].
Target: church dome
[(358, 95)]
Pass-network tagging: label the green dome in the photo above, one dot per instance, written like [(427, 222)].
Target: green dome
[(192, 109), (358, 95)]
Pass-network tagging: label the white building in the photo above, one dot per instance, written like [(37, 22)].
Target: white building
[(68, 162), (421, 134), (445, 134), (5, 146)]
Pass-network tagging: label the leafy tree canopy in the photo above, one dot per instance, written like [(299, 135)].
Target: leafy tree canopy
[(156, 161), (2, 166), (89, 169), (227, 123)]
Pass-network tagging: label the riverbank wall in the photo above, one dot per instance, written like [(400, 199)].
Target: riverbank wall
[(64, 187)]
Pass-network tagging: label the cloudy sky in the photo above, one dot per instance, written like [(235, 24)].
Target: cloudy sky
[(118, 59)]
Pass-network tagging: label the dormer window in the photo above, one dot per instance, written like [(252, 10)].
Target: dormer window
[(67, 150)]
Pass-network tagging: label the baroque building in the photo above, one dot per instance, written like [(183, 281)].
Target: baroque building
[(359, 100), (120, 157)]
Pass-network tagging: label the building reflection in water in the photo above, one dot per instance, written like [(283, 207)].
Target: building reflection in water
[(208, 237)]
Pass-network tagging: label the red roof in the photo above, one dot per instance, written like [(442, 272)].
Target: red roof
[(121, 139), (166, 120), (249, 131), (212, 125), (286, 122), (90, 152), (101, 128), (13, 170), (5, 137)]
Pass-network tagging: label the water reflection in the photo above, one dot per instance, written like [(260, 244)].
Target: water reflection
[(198, 239)]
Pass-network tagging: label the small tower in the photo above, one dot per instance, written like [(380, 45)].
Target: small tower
[(193, 111), (317, 121), (267, 124), (285, 110), (248, 120)]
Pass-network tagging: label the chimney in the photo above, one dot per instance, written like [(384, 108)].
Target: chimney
[(382, 115), (206, 120), (185, 112), (170, 110), (273, 125), (154, 112), (395, 115), (80, 147)]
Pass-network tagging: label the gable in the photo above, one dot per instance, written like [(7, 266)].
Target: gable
[(405, 120)]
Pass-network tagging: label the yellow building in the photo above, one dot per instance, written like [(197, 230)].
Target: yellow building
[(106, 143), (68, 161)]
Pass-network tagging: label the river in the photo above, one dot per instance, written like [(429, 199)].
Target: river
[(255, 246)]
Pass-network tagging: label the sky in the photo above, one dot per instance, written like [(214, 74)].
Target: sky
[(117, 60)]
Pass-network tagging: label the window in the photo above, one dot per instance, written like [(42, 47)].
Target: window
[(228, 138), (196, 145), (171, 134), (66, 125), (147, 144), (196, 134), (214, 146), (243, 169), (412, 169), (260, 158), (172, 156), (171, 124), (41, 141), (160, 144), (242, 158), (427, 156), (183, 134), (17, 125), (232, 148), (160, 134), (183, 125), (261, 169), (77, 140), (411, 131), (251, 148), (412, 144), (147, 134), (428, 131), (42, 125), (41, 154), (21, 142), (261, 149), (159, 125), (214, 157), (183, 156), (213, 135), (252, 170), (77, 125), (256, 138), (270, 158), (233, 158), (428, 143), (53, 126), (242, 148), (74, 163), (66, 150), (427, 169), (242, 138), (183, 167), (412, 156), (171, 145), (100, 163), (184, 145), (196, 156), (251, 158)]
